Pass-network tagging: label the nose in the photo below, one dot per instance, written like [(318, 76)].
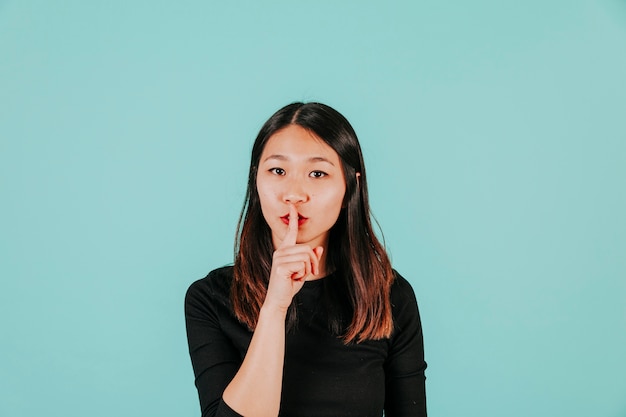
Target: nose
[(295, 192)]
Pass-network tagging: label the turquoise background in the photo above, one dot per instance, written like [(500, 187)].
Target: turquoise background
[(495, 138)]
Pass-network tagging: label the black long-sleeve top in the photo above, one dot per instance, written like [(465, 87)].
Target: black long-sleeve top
[(322, 376)]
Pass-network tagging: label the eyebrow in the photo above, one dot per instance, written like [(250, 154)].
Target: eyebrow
[(311, 159)]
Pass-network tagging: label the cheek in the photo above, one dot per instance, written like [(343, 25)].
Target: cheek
[(335, 198), (266, 186), (266, 200), (341, 193), (263, 190), (263, 200)]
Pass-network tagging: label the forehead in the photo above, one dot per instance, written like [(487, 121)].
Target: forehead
[(295, 142)]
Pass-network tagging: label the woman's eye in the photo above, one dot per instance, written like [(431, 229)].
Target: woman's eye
[(318, 174), (277, 171)]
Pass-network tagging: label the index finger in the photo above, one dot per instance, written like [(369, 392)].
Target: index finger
[(292, 229)]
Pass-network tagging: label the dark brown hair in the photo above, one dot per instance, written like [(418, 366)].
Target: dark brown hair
[(358, 293)]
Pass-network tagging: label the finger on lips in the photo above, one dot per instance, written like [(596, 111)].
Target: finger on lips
[(313, 256), (292, 229)]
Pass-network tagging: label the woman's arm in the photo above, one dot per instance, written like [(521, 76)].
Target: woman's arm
[(405, 365), (253, 385), (214, 357), (256, 388)]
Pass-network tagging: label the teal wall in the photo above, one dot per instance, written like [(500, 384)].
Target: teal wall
[(495, 138)]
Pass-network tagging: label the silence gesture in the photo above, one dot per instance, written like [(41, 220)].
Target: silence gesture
[(292, 264)]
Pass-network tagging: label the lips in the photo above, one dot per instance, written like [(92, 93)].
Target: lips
[(301, 219)]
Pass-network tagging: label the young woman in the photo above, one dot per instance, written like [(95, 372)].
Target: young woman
[(311, 320)]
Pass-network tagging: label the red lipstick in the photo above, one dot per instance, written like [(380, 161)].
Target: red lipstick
[(301, 219)]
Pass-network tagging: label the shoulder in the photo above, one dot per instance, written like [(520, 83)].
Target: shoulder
[(403, 304), (210, 290), (401, 291)]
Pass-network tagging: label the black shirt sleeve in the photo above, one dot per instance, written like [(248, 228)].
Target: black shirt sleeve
[(214, 359), (405, 391)]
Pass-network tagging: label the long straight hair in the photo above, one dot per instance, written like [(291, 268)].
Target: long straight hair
[(358, 294)]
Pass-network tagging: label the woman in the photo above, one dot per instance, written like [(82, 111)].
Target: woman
[(311, 320)]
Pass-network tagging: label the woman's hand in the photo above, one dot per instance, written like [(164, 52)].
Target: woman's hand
[(292, 264), (256, 388)]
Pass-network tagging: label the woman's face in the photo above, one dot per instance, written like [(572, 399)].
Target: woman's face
[(299, 168)]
